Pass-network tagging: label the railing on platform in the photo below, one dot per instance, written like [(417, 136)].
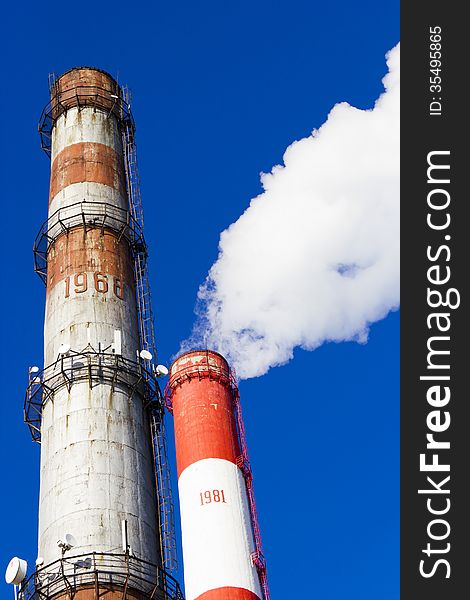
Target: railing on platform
[(121, 573), (80, 97), (95, 367), (88, 215)]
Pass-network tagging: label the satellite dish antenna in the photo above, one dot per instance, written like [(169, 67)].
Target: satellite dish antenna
[(39, 561), (34, 370), (16, 571), (64, 348), (161, 371), (145, 354), (36, 380), (67, 543)]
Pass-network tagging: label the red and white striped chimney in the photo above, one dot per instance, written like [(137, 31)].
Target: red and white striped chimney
[(218, 518)]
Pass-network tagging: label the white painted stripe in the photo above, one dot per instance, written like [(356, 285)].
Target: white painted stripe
[(89, 317), (217, 536), (85, 125), (86, 192)]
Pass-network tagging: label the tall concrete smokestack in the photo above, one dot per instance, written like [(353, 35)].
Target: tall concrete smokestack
[(221, 541), (96, 408)]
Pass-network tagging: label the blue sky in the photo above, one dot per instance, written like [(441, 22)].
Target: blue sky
[(220, 90)]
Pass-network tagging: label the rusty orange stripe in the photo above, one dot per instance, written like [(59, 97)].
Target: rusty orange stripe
[(87, 161), (228, 593), (81, 86), (88, 592), (91, 250), (85, 77)]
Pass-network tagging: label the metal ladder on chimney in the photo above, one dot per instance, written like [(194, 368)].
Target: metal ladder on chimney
[(147, 339)]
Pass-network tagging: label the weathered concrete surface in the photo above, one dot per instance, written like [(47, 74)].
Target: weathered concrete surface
[(104, 594), (87, 161), (96, 470), (85, 125), (84, 86), (90, 293)]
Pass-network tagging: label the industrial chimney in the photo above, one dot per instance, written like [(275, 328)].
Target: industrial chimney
[(105, 513), (222, 551)]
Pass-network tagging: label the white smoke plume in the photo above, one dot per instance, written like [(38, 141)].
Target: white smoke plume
[(315, 257)]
